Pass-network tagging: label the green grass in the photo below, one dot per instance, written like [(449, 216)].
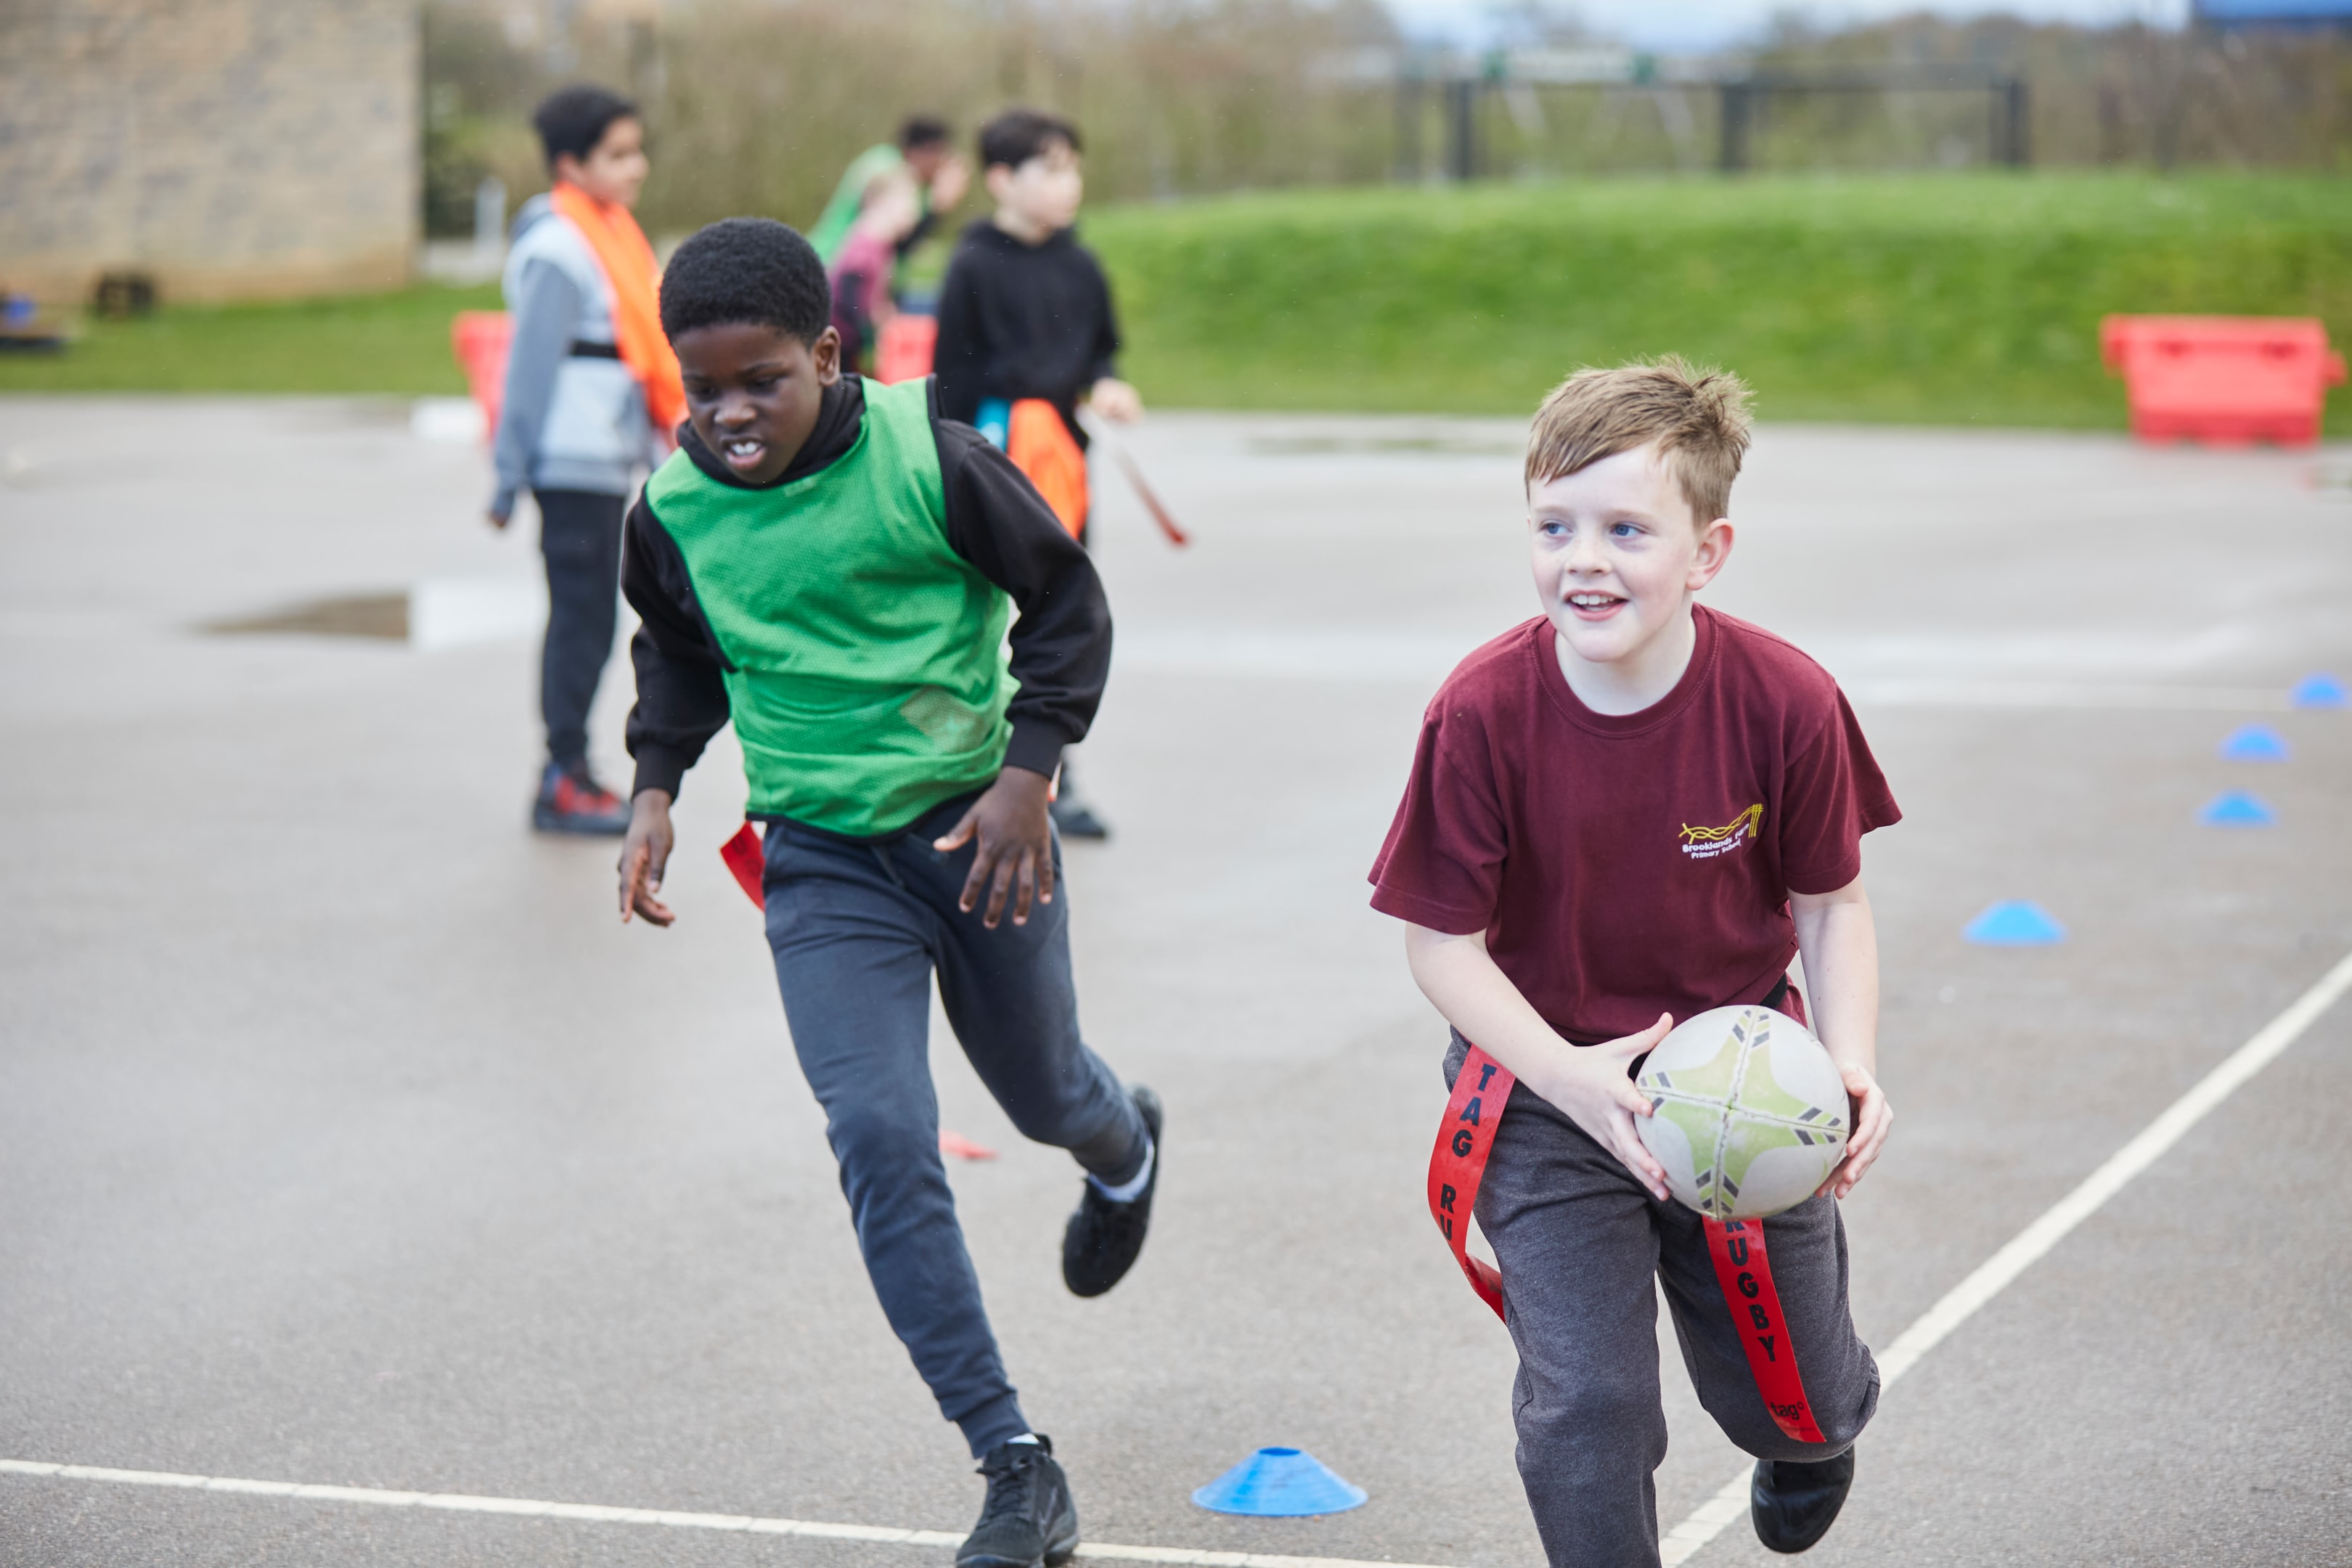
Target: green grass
[(396, 342), (1926, 299), (1945, 298)]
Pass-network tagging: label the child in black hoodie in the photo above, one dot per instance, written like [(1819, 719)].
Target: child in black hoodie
[(1025, 319)]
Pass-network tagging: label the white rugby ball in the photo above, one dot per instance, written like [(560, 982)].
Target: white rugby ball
[(1751, 1113)]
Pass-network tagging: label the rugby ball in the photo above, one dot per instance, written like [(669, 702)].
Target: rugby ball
[(1751, 1114)]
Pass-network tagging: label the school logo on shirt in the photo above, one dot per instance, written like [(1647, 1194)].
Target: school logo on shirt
[(1707, 843)]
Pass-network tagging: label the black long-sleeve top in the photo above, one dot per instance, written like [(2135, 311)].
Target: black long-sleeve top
[(1023, 321), (995, 520)]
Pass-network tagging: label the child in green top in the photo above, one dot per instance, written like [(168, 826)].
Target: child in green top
[(925, 153), (832, 565)]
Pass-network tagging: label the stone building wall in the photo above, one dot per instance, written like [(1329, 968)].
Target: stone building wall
[(231, 149)]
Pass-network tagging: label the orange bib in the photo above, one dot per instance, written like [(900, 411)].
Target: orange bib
[(627, 258), (1042, 447)]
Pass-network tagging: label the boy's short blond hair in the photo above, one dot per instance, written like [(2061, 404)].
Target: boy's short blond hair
[(1698, 418)]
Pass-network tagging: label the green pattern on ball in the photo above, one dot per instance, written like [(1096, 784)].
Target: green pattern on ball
[(1732, 1110)]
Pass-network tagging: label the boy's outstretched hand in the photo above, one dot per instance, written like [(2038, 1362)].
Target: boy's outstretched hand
[(1116, 401), (1015, 856), (1591, 1085), (644, 855), (1870, 1118)]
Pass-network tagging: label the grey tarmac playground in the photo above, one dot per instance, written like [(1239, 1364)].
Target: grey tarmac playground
[(347, 1137)]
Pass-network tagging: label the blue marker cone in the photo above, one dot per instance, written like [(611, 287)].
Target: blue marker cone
[(2236, 808), (2318, 691), (2014, 923), (1279, 1483), (2254, 743)]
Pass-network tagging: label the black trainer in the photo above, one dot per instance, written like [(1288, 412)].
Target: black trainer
[(1029, 1517), (1075, 821), (571, 801), (1103, 1238), (1793, 1505)]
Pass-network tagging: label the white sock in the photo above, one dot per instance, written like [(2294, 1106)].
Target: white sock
[(1029, 1437), (1127, 1192)]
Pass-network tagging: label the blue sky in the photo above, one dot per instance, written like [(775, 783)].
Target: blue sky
[(1699, 24)]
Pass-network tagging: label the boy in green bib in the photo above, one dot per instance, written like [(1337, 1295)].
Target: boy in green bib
[(833, 566)]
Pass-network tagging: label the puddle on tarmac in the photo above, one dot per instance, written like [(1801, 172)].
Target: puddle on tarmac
[(384, 616)]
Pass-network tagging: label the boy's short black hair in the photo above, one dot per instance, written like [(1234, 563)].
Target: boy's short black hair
[(574, 119), (922, 131), (1017, 135), (746, 269)]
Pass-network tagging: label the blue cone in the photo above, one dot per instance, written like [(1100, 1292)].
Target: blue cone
[(2254, 743), (1279, 1483), (2318, 691), (2236, 808), (2014, 923)]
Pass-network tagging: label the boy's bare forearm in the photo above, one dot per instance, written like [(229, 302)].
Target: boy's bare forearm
[(1466, 987), (1839, 941), (1589, 1084), (1840, 944)]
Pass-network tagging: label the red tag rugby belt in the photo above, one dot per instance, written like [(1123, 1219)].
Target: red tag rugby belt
[(1744, 1272), (1465, 1139), (1742, 1266), (746, 854)]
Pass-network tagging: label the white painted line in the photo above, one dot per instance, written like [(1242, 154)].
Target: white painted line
[(1705, 1522), (1677, 1546), (1995, 1273), (528, 1508), (1423, 657), (447, 419), (453, 612)]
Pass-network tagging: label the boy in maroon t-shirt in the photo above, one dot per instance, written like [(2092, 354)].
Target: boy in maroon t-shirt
[(1622, 813)]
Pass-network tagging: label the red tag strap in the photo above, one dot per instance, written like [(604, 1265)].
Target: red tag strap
[(1742, 1267), (1465, 1139), (1744, 1271), (747, 858)]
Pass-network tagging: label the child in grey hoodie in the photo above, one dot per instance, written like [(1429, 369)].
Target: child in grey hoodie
[(573, 430)]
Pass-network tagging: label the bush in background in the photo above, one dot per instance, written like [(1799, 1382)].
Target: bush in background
[(755, 106)]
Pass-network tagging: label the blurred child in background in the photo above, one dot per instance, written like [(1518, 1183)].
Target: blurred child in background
[(926, 154), (592, 394), (863, 267), (1027, 334)]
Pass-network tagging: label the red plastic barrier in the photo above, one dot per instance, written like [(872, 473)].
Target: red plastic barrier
[(904, 351), (2224, 380), (479, 338)]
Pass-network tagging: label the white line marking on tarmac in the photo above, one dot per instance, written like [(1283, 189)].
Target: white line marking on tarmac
[(1424, 657), (528, 1508), (1678, 1545), (2030, 1245)]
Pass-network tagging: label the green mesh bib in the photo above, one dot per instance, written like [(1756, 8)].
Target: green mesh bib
[(870, 674)]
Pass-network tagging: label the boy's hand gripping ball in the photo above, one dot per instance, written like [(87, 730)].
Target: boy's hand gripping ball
[(1751, 1113)]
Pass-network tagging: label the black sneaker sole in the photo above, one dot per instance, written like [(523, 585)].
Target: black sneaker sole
[(1789, 1530), (545, 819), (1080, 823), (1154, 1115), (1058, 1554), (1061, 1544)]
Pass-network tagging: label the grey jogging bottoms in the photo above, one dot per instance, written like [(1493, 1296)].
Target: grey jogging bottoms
[(858, 927), (1579, 1241)]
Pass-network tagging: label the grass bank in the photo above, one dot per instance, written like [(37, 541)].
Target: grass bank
[(1943, 299), (1924, 299), (396, 342)]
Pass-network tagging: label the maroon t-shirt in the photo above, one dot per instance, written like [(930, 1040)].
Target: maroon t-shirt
[(1624, 866)]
